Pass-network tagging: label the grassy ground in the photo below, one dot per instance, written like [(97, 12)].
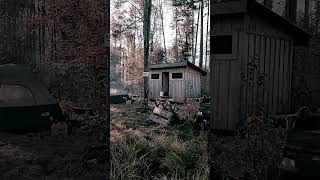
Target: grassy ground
[(140, 150)]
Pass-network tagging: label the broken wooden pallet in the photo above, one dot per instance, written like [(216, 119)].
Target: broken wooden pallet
[(160, 116), (158, 119), (163, 113)]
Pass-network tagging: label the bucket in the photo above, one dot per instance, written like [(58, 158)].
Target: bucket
[(161, 93)]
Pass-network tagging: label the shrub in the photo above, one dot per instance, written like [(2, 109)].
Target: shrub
[(254, 153)]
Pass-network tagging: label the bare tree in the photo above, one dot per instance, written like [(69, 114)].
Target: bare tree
[(307, 14), (208, 17), (162, 27), (291, 10), (196, 41), (201, 35), (146, 33)]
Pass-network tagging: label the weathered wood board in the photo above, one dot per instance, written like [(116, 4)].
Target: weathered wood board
[(158, 119)]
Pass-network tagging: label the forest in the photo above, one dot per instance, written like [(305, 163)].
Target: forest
[(168, 89), (181, 31)]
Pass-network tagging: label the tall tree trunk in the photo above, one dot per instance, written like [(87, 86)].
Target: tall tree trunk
[(207, 37), (146, 30), (136, 35), (176, 43), (163, 34), (306, 14), (195, 46), (153, 32), (201, 36), (291, 10), (192, 34)]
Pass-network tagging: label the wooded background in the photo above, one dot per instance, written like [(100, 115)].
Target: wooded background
[(62, 41), (189, 30)]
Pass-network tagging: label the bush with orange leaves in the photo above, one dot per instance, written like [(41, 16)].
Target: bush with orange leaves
[(188, 111)]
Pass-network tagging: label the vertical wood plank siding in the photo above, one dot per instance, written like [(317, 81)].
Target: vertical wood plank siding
[(269, 83), (179, 89), (258, 78)]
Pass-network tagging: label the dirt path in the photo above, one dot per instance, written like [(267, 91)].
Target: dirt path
[(41, 156)]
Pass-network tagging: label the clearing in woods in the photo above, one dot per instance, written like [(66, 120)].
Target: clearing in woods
[(141, 149)]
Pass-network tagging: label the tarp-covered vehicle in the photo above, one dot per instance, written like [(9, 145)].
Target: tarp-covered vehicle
[(118, 94), (25, 103)]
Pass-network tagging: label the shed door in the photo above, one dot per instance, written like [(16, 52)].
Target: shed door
[(165, 83)]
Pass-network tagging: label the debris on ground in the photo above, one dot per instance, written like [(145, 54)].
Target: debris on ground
[(163, 111), (253, 153), (41, 155), (188, 111), (59, 129), (160, 116)]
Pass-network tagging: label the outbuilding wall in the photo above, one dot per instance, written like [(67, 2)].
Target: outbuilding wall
[(256, 76), (179, 89)]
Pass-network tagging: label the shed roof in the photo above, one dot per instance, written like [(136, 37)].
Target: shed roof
[(177, 65), (301, 37)]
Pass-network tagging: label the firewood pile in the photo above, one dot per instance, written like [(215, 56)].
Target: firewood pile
[(84, 118)]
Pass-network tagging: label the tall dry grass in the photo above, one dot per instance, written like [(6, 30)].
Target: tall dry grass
[(158, 156)]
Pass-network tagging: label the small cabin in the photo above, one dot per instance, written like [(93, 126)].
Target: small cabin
[(177, 81), (251, 61)]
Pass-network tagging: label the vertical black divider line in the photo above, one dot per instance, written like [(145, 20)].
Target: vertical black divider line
[(253, 61), (228, 94), (283, 77), (291, 59), (269, 77), (107, 54), (258, 74), (287, 76), (239, 55), (246, 85), (218, 99), (264, 73), (273, 73), (278, 74)]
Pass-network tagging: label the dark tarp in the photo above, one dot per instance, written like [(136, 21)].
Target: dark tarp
[(118, 93), (14, 76), (25, 103)]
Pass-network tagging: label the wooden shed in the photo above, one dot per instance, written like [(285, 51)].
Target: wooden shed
[(177, 81), (251, 61)]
